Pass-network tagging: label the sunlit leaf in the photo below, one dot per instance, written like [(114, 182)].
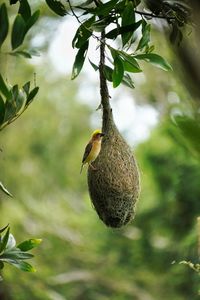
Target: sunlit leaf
[(57, 7), (118, 72), (18, 32), (29, 244), (11, 242), (4, 24), (17, 98), (2, 187), (156, 60), (79, 60)]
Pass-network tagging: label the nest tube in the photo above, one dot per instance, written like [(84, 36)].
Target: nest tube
[(115, 184)]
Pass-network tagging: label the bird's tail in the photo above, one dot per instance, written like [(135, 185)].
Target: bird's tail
[(81, 168)]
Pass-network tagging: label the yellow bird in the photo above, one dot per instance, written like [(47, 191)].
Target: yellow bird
[(92, 149)]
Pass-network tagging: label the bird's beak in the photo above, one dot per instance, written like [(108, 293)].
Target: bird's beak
[(102, 134)]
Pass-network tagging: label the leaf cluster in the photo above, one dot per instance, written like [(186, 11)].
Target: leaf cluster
[(23, 22), (16, 254), (14, 101), (116, 21), (176, 13)]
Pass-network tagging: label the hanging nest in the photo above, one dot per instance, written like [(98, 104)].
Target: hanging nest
[(114, 186)]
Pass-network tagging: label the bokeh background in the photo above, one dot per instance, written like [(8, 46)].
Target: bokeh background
[(80, 258)]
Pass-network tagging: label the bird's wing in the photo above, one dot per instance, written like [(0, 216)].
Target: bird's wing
[(88, 148)]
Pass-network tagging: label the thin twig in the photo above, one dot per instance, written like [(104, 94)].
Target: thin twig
[(151, 15)]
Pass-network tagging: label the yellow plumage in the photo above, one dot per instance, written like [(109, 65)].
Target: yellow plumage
[(92, 149)]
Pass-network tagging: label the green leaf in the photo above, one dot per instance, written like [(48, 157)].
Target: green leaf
[(108, 72), (18, 32), (79, 60), (22, 265), (128, 81), (2, 187), (29, 244), (32, 94), (130, 63), (15, 254), (4, 228), (57, 7), (156, 60), (13, 1), (83, 33), (1, 267), (14, 103), (4, 240), (17, 98), (32, 20), (104, 9), (100, 25), (25, 10), (118, 72), (2, 110), (128, 18), (11, 242), (121, 30), (26, 87), (4, 24), (146, 28), (21, 53), (95, 67), (3, 88)]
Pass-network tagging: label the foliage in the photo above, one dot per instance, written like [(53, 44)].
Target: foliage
[(13, 100), (124, 60), (85, 260), (15, 254)]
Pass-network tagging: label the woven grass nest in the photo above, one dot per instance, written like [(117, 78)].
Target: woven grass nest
[(115, 185)]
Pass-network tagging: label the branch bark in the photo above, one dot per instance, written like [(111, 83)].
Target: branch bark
[(105, 98)]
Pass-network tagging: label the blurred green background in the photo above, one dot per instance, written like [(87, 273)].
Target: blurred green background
[(79, 257)]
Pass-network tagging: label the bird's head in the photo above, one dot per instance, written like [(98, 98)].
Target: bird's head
[(97, 134)]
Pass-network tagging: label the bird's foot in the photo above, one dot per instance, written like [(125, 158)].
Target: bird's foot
[(92, 167)]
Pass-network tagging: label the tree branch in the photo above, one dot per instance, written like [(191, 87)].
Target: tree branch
[(151, 15), (103, 84)]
